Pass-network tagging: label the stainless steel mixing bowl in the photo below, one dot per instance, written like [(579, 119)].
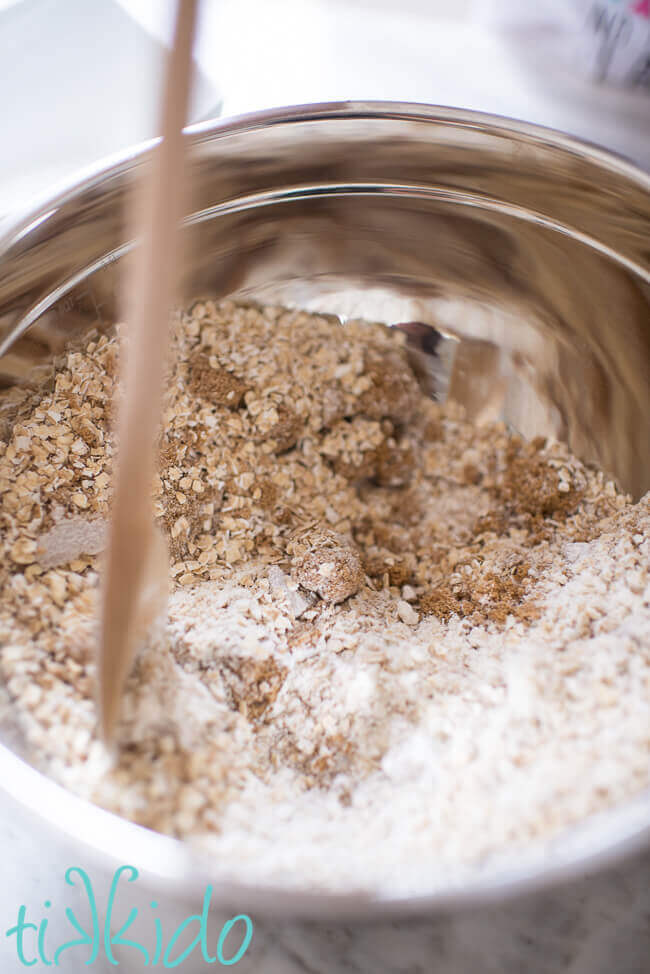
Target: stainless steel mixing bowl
[(530, 251)]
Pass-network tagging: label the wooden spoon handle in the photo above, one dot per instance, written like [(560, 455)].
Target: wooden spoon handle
[(149, 292)]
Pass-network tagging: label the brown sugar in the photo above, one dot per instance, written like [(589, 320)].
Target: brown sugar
[(393, 392), (531, 486), (214, 383), (252, 685)]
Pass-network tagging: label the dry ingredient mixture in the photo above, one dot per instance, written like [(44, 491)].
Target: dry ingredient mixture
[(397, 644)]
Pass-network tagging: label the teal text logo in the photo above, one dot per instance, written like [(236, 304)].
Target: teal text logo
[(33, 947)]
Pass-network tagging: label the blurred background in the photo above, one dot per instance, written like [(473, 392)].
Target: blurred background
[(78, 79)]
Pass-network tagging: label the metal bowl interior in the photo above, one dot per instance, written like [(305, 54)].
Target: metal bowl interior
[(527, 248)]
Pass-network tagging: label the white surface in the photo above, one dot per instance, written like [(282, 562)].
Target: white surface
[(265, 53), (78, 81)]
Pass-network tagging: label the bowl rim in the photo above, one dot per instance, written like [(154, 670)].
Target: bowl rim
[(600, 841), (30, 213)]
